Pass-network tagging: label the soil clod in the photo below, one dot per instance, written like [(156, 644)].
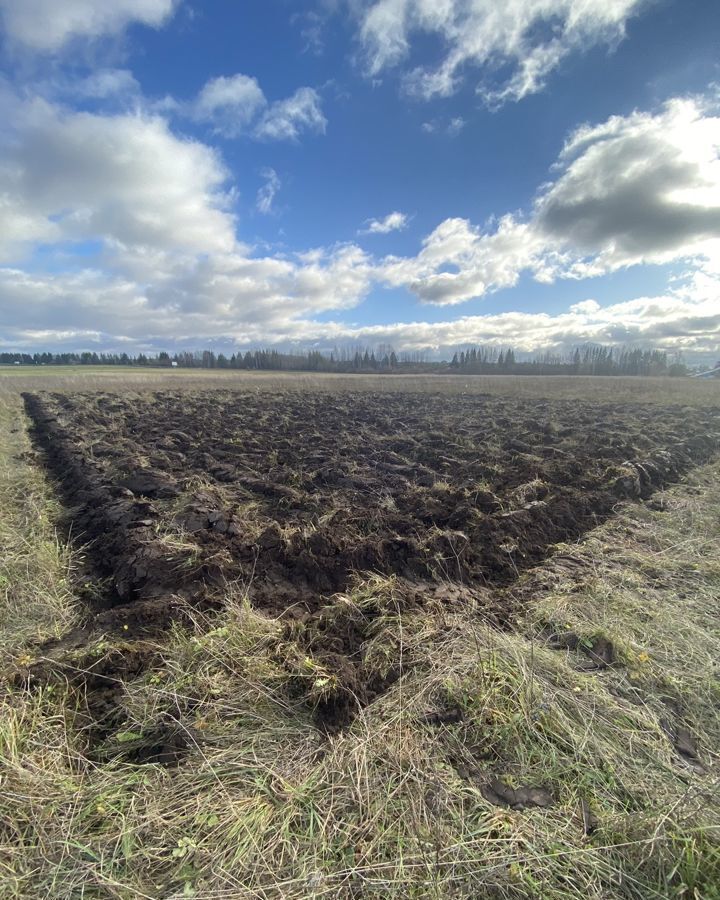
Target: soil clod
[(499, 794)]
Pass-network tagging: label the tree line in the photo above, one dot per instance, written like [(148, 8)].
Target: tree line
[(592, 359)]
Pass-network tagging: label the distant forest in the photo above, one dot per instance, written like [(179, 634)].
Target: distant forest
[(586, 360)]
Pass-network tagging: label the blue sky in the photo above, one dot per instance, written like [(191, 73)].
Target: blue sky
[(421, 173)]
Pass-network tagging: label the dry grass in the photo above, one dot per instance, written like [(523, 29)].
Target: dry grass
[(266, 806), (36, 597), (691, 391)]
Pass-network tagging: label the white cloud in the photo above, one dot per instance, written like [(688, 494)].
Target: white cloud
[(22, 228), (686, 318), (311, 24), (639, 189), (104, 84), (458, 261), (678, 321), (164, 252), (394, 221), (236, 105), (168, 263), (233, 294), (46, 25), (530, 37), (230, 103), (125, 179), (222, 293), (285, 120), (451, 127), (79, 311), (585, 307), (267, 193)]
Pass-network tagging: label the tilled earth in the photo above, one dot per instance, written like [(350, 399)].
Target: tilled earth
[(292, 496)]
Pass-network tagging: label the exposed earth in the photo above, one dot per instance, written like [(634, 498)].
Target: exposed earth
[(295, 496)]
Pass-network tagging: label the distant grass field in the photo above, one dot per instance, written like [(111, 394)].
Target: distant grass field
[(264, 806), (692, 391)]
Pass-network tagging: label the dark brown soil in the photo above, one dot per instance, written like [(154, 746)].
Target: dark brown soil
[(295, 493), (292, 495)]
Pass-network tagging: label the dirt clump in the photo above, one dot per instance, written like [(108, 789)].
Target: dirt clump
[(499, 794)]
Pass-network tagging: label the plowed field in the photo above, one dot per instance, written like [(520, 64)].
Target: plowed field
[(294, 494), (421, 639)]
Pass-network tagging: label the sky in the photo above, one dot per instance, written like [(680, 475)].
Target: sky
[(421, 174)]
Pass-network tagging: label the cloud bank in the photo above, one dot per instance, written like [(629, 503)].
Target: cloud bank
[(117, 232)]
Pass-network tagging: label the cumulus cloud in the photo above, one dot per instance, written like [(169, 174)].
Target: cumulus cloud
[(285, 120), (229, 103), (527, 37), (394, 221), (104, 84), (685, 319), (235, 295), (459, 261), (227, 292), (236, 105), (46, 25), (267, 193), (155, 210), (677, 321), (123, 179), (638, 189)]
